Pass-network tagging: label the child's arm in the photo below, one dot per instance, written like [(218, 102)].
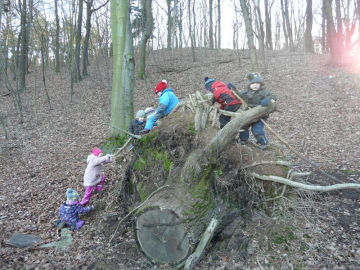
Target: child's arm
[(102, 160), (84, 209)]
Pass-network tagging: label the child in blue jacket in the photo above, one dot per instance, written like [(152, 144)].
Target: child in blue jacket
[(167, 102)]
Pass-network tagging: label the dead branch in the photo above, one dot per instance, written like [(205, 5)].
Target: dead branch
[(305, 186)]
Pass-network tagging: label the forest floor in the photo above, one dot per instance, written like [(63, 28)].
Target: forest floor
[(318, 114)]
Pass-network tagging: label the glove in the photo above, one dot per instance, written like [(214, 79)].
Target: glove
[(265, 102), (144, 131), (112, 158), (231, 86)]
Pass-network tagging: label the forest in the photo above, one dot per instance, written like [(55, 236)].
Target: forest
[(187, 192)]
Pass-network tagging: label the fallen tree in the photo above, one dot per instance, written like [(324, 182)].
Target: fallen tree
[(192, 188)]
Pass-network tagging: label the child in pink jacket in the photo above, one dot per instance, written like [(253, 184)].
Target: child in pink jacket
[(94, 178)]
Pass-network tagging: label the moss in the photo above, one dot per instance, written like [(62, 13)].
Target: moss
[(142, 192), (192, 128), (204, 201), (112, 143)]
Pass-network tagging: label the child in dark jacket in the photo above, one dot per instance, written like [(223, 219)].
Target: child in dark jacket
[(138, 123), (255, 94), (70, 210)]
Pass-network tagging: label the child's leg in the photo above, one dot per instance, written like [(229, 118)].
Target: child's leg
[(244, 135), (87, 195), (79, 224), (258, 130), (100, 186)]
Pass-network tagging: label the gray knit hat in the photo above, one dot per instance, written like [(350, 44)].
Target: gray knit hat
[(140, 114), (254, 77)]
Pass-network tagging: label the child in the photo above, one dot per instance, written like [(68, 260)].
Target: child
[(70, 210), (255, 95), (222, 94), (137, 124), (94, 178), (167, 102), (149, 111)]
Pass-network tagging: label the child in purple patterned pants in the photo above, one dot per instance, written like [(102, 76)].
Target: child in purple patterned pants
[(70, 210), (94, 178)]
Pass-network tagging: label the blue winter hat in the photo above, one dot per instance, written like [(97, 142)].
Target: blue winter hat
[(208, 83), (254, 77), (71, 196)]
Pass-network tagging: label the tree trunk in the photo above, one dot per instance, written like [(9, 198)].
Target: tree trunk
[(269, 43), (288, 25), (77, 74), (249, 34), (211, 35), (331, 33), (309, 46), (128, 76), (57, 41), (191, 32), (219, 24), (23, 53), (118, 18), (149, 23), (85, 59), (286, 36), (170, 223), (169, 23), (28, 27)]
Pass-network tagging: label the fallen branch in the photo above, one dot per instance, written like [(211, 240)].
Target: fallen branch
[(120, 149), (277, 162), (304, 186)]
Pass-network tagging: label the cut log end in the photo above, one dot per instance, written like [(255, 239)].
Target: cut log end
[(161, 236)]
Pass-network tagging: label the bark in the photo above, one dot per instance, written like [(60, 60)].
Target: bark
[(149, 24), (249, 34), (118, 18), (309, 46)]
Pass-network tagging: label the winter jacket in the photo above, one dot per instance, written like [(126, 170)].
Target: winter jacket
[(70, 213), (93, 170), (167, 102), (136, 126), (222, 94), (254, 98)]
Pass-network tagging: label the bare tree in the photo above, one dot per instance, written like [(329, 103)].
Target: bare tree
[(77, 74), (211, 35), (191, 30), (23, 53), (57, 39), (147, 31), (268, 31), (169, 24), (309, 46), (249, 34), (286, 18)]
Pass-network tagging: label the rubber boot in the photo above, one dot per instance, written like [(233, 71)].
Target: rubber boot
[(79, 224)]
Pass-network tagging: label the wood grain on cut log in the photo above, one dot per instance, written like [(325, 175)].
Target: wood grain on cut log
[(170, 224)]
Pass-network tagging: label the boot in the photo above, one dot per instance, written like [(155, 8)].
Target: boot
[(79, 224)]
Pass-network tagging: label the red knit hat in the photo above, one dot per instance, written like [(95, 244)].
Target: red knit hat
[(160, 86)]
